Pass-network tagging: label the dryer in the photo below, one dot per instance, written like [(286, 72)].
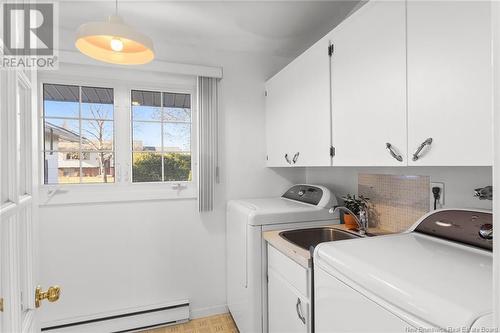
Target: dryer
[(435, 277), (300, 206)]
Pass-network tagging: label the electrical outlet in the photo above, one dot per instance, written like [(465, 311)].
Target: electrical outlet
[(440, 202)]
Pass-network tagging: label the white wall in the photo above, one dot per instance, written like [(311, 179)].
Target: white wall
[(460, 182), (112, 256)]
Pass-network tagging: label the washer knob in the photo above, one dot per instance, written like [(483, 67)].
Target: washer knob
[(486, 231), (301, 193)]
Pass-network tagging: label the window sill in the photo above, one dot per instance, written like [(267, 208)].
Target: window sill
[(60, 195)]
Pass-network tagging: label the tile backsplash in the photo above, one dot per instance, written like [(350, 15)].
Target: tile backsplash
[(396, 202)]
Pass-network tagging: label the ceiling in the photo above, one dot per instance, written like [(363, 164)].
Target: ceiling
[(266, 28)]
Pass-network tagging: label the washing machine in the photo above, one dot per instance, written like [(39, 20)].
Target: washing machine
[(436, 277), (300, 206)]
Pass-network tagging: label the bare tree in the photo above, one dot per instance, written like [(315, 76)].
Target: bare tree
[(97, 138), (173, 115)]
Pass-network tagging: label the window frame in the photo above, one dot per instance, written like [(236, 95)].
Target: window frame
[(80, 120), (193, 143), (123, 189)]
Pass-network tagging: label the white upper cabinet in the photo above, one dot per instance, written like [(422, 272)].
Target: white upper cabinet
[(369, 86), (450, 82), (298, 111), (409, 83)]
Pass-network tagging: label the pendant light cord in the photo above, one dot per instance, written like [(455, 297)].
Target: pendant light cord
[(116, 7)]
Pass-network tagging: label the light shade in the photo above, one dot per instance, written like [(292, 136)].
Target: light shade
[(114, 42)]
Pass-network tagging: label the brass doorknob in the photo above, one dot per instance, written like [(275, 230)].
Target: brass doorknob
[(51, 295)]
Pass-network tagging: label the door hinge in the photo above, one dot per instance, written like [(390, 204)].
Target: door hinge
[(265, 93), (332, 151), (1, 304), (267, 157), (330, 50)]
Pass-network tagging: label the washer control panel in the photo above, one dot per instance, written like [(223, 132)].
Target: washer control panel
[(305, 193), (464, 226)]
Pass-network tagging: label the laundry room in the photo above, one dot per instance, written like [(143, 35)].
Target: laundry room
[(249, 166)]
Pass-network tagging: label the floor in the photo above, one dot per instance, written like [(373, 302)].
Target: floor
[(215, 324)]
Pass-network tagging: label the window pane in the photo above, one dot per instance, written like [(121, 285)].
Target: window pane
[(175, 100), (97, 135), (97, 111), (177, 167), (61, 134), (23, 106), (146, 136), (146, 98), (61, 167), (61, 92), (176, 137), (177, 114), (97, 95), (146, 167), (146, 113), (61, 109), (61, 100), (97, 103), (146, 105), (98, 167)]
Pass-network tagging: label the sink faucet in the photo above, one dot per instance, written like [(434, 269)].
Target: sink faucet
[(361, 221)]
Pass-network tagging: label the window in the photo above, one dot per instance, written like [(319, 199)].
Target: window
[(161, 136), (78, 134)]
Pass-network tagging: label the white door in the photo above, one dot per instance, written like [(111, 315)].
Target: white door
[(18, 204), (369, 86), (288, 311), (298, 111), (450, 82)]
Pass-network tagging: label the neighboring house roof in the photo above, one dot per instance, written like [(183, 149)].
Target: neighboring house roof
[(62, 132)]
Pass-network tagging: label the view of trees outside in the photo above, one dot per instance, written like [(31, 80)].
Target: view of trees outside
[(147, 167), (97, 136)]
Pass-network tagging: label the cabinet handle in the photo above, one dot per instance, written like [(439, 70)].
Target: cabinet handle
[(427, 142), (295, 157), (393, 152), (287, 159), (298, 307)]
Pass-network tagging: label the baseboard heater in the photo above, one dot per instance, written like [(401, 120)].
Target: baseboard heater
[(130, 320)]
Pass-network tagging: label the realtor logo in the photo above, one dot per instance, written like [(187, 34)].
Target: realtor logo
[(29, 35)]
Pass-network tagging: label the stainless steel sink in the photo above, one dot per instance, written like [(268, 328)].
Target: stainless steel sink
[(305, 238)]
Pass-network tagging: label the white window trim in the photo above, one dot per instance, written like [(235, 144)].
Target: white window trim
[(123, 189)]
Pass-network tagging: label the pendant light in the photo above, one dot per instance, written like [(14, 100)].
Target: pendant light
[(114, 42)]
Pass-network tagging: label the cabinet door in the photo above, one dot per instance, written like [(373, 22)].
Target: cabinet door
[(286, 307), (450, 82), (369, 86), (278, 105), (298, 110)]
